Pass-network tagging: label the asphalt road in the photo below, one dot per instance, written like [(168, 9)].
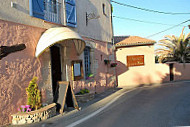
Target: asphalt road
[(162, 106)]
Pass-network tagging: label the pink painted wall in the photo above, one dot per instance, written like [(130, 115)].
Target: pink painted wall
[(148, 74), (104, 77), (17, 69), (181, 72)]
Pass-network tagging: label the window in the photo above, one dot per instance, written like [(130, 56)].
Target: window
[(48, 10), (37, 8), (103, 9), (50, 5), (71, 18), (87, 61)]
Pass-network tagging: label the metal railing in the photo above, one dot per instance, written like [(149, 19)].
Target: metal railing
[(52, 11)]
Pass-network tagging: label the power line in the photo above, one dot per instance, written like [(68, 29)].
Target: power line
[(168, 29), (149, 10), (143, 21)]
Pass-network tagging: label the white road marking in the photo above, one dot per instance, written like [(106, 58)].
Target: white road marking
[(98, 111)]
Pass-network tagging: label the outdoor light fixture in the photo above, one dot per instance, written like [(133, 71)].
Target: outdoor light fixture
[(91, 16)]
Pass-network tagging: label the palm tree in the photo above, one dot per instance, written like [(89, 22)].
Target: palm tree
[(174, 48)]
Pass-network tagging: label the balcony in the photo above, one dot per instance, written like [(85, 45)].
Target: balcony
[(52, 11)]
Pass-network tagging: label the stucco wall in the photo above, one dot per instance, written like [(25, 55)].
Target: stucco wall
[(19, 13), (17, 69), (150, 73), (181, 72), (99, 29), (104, 75), (146, 74)]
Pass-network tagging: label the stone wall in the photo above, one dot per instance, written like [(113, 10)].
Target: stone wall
[(85, 97), (34, 116)]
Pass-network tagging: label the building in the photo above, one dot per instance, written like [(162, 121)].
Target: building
[(54, 40), (136, 61)]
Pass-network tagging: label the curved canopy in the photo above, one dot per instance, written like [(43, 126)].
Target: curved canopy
[(58, 35)]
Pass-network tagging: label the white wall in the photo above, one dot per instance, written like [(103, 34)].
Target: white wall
[(100, 28)]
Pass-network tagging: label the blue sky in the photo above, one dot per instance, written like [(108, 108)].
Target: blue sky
[(127, 27)]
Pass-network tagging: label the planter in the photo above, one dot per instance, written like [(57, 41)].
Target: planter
[(85, 97), (34, 116), (107, 61), (113, 64)]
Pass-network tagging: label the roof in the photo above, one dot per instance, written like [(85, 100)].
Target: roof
[(133, 41), (119, 38)]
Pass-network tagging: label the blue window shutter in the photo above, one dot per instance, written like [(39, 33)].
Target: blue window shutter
[(71, 17), (37, 8)]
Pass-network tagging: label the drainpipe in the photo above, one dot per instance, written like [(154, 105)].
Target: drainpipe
[(113, 46)]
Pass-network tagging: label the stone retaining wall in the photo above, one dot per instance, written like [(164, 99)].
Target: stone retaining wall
[(34, 116), (85, 97)]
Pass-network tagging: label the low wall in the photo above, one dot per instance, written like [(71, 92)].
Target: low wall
[(158, 73), (34, 116), (181, 71)]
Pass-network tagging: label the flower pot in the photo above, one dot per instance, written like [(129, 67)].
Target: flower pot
[(107, 61), (113, 64), (34, 116), (85, 97)]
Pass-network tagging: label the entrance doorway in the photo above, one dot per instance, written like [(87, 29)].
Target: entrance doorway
[(171, 72), (56, 70)]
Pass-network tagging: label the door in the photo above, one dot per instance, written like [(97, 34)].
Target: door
[(171, 72), (56, 70)]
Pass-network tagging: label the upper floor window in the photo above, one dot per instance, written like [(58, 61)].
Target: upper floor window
[(51, 5), (87, 61), (103, 9), (50, 10), (71, 17)]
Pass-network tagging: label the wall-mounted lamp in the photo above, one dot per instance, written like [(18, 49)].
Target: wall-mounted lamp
[(91, 16), (13, 5)]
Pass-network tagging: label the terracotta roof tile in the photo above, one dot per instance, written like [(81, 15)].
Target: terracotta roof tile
[(134, 40), (119, 38)]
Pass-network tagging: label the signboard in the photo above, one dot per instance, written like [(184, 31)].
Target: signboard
[(135, 60), (77, 71), (66, 97)]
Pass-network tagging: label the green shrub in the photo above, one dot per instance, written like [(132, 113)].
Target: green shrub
[(33, 94), (83, 91)]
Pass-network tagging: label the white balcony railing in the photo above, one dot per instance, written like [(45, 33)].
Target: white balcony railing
[(52, 11)]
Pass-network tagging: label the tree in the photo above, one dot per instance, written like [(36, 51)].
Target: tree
[(156, 59), (174, 48)]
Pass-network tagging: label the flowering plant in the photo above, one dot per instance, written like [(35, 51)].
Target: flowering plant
[(25, 108), (107, 61), (113, 64), (89, 76)]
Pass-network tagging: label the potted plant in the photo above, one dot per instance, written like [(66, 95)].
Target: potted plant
[(33, 94), (107, 61), (90, 76), (84, 95), (113, 64), (33, 111)]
